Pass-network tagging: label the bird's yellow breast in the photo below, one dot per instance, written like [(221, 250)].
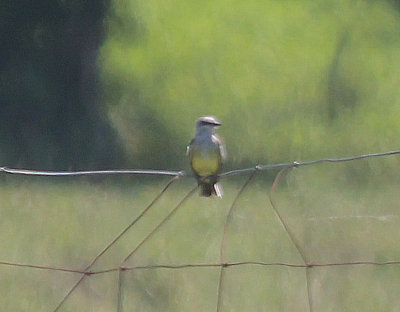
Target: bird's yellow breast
[(205, 165)]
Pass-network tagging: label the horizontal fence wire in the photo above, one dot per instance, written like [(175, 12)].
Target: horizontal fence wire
[(198, 265), (176, 175), (182, 173), (30, 172)]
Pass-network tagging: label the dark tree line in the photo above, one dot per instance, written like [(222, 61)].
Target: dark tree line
[(50, 108)]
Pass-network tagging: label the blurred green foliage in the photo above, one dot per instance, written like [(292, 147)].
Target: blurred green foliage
[(289, 79), (50, 105)]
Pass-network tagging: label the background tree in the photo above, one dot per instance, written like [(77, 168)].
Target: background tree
[(50, 108)]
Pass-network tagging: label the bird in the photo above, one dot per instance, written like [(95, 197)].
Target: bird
[(207, 153)]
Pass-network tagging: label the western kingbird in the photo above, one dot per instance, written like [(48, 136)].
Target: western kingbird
[(206, 153)]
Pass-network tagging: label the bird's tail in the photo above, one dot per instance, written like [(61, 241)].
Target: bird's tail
[(208, 189)]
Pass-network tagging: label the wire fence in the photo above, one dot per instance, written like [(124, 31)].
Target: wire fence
[(224, 263)]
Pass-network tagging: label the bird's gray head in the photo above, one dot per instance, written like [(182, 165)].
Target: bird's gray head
[(207, 124), (208, 121)]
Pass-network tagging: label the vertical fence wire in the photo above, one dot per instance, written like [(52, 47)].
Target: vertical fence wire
[(291, 235), (173, 211), (120, 294), (125, 230), (224, 241), (155, 230)]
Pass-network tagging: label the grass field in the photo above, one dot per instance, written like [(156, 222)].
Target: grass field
[(333, 217)]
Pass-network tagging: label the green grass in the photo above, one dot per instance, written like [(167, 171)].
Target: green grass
[(334, 218)]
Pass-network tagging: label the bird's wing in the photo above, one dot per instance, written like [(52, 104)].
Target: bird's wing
[(222, 150), (189, 148)]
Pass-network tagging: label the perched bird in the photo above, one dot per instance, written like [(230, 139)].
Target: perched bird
[(206, 153)]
